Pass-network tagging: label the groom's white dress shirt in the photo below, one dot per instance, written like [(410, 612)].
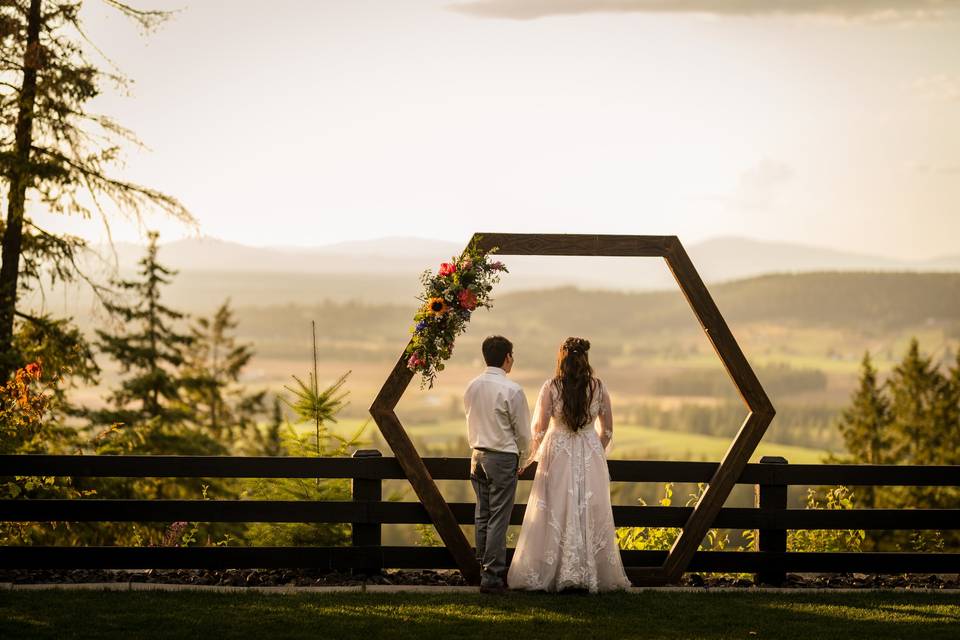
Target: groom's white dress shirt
[(498, 418)]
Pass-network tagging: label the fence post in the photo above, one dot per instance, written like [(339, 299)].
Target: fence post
[(771, 496), (365, 534)]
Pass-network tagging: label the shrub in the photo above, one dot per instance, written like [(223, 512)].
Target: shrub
[(827, 539)]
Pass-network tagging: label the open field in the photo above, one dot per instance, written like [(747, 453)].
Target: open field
[(804, 336), (629, 442), (713, 616)]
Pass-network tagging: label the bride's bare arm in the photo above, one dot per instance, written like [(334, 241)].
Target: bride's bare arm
[(540, 421), (606, 417)]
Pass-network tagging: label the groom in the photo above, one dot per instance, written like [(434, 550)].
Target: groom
[(498, 429)]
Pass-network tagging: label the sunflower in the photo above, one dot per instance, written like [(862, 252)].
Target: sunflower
[(437, 306)]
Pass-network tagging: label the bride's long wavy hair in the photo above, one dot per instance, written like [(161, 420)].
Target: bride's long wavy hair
[(574, 381)]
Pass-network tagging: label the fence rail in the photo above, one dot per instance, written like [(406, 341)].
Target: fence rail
[(384, 468), (367, 512)]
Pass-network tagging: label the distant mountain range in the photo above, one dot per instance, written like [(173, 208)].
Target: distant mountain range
[(387, 270), (717, 260)]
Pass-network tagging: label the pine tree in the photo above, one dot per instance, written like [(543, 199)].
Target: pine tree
[(916, 422), (921, 426), (272, 440), (212, 373), (948, 414), (150, 352), (915, 385), (866, 425), (55, 153)]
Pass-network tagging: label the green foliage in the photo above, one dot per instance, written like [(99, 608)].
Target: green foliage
[(211, 373), (914, 387), (55, 153), (661, 538), (427, 536), (72, 148), (649, 538), (827, 539), (866, 423), (303, 489), (149, 349), (62, 348), (913, 418), (25, 428), (926, 541), (269, 441), (149, 413), (186, 534), (316, 406), (311, 405)]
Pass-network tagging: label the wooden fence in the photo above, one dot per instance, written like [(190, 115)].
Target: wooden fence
[(367, 511)]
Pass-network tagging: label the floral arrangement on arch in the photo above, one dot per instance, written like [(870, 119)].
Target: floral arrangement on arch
[(449, 298)]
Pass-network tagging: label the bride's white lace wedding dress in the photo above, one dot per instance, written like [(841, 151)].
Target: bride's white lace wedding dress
[(568, 539)]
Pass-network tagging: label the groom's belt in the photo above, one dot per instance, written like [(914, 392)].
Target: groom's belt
[(486, 450)]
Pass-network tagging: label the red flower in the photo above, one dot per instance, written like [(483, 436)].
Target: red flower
[(447, 268), (467, 299), (33, 370)]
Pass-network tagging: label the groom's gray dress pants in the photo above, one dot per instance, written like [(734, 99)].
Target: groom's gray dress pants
[(494, 478)]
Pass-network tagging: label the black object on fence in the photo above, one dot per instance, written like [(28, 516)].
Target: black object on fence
[(367, 512)]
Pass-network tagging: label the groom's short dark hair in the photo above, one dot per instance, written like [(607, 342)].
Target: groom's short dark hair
[(495, 350)]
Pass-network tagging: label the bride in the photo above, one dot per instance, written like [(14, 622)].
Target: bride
[(568, 539)]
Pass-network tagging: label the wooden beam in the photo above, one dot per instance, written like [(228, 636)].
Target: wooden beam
[(426, 489), (416, 471), (564, 244), (751, 431)]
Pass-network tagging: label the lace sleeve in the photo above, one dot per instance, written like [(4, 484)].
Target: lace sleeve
[(540, 420), (606, 418)]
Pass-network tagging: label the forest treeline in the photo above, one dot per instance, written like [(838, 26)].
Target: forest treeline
[(865, 303)]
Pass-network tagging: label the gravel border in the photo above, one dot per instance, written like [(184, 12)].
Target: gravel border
[(428, 579), (388, 589)]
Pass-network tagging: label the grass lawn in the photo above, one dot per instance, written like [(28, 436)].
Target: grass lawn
[(819, 616)]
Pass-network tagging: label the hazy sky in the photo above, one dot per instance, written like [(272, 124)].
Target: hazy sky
[(311, 122)]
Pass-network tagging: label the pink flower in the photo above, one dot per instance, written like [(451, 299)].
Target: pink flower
[(467, 299), (447, 268), (414, 361), (466, 264)]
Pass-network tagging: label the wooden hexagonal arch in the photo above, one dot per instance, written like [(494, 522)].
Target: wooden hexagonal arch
[(760, 410)]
